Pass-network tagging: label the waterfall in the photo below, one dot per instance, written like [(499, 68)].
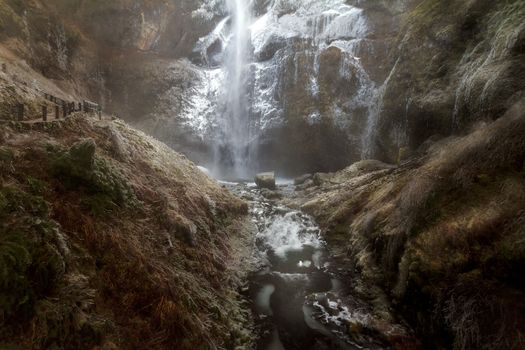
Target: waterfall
[(251, 68), (232, 152)]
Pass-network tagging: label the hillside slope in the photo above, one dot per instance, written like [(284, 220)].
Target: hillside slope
[(108, 239), (440, 238)]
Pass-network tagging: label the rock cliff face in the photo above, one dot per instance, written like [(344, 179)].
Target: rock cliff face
[(103, 51), (370, 81), (331, 82), (315, 68), (454, 63)]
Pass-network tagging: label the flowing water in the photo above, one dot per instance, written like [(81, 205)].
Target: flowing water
[(298, 301), (232, 154), (252, 60)]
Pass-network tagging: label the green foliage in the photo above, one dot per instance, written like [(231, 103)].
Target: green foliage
[(15, 290), (79, 168), (36, 186), (18, 201), (3, 203), (30, 264), (6, 155), (98, 204)]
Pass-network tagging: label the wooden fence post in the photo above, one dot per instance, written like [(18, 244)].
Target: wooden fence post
[(20, 112), (64, 110), (4, 68), (57, 112), (44, 113)]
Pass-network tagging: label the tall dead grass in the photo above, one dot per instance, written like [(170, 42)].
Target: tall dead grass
[(157, 293)]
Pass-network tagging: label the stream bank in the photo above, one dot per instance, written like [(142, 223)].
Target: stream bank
[(440, 235)]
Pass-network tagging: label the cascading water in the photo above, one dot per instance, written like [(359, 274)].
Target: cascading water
[(248, 69), (251, 69), (256, 73), (232, 153)]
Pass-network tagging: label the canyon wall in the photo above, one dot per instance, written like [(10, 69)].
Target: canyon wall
[(122, 54), (330, 82), (333, 82), (380, 82)]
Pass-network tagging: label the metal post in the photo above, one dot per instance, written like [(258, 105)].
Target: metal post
[(20, 112), (57, 112), (44, 113)]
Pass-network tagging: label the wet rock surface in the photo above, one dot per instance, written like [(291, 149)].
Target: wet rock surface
[(265, 180)]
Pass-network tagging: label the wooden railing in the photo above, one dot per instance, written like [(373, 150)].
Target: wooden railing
[(59, 107), (62, 108)]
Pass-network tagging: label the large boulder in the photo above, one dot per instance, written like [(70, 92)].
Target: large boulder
[(265, 180), (302, 179)]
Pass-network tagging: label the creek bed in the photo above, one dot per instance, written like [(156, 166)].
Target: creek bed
[(297, 301)]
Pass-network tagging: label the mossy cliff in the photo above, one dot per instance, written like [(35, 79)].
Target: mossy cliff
[(110, 240), (431, 69), (425, 68), (454, 63), (440, 238)]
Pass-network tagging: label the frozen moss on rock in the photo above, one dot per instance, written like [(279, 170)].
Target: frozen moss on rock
[(80, 168)]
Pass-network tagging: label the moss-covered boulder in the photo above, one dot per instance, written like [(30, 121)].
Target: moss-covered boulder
[(83, 153), (79, 168)]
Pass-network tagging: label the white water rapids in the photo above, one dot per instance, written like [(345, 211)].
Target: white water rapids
[(298, 299)]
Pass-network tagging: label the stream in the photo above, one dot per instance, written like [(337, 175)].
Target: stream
[(298, 300)]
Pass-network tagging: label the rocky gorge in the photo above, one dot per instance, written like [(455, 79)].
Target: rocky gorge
[(401, 121)]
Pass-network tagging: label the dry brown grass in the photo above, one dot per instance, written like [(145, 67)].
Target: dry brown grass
[(151, 288), (419, 231)]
